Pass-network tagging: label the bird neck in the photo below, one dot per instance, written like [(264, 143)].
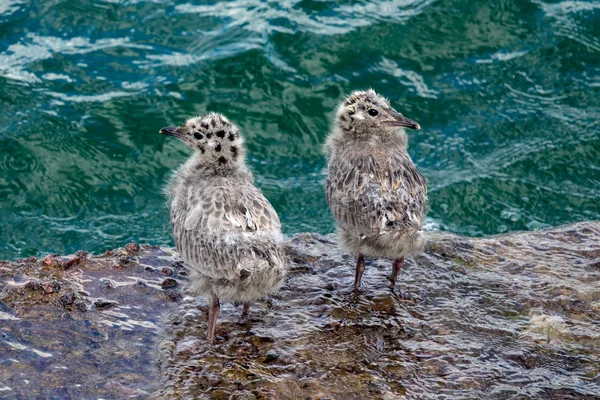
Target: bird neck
[(214, 164), (371, 139)]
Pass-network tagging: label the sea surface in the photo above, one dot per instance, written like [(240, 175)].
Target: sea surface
[(507, 94)]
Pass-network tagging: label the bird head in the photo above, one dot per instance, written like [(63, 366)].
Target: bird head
[(365, 112), (215, 139)]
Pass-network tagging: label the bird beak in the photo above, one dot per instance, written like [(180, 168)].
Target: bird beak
[(400, 120), (170, 131)]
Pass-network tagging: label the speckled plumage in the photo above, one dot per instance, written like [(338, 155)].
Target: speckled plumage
[(225, 230), (374, 191)]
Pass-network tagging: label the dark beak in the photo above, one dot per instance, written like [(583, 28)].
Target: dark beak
[(400, 120), (170, 131)]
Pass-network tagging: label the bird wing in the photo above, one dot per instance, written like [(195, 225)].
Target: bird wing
[(369, 196), (241, 208), (216, 233)]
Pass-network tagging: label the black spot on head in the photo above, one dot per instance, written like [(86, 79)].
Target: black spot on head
[(231, 137), (218, 148), (208, 135), (201, 149), (213, 122), (349, 102), (204, 126), (343, 118), (222, 160), (244, 274), (351, 112), (234, 151), (220, 134)]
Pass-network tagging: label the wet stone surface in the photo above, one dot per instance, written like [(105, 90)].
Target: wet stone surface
[(83, 329), (515, 316)]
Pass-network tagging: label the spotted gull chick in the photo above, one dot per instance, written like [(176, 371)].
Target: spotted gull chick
[(374, 191), (225, 230)]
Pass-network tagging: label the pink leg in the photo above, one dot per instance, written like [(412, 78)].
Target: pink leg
[(246, 310), (396, 266), (360, 268), (213, 313)]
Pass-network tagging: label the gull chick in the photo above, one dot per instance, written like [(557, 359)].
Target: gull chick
[(374, 191), (225, 230)]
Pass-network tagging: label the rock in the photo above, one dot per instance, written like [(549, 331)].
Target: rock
[(132, 248), (471, 317), (50, 260), (168, 283), (106, 283), (51, 286), (124, 262), (102, 304), (73, 262), (68, 299), (271, 356)]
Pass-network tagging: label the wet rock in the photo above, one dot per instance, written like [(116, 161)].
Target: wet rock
[(243, 395), (33, 285), (50, 260), (471, 317), (124, 262), (173, 295), (103, 304), (169, 283), (73, 262), (81, 306), (51, 286), (68, 299), (65, 327), (106, 283), (132, 248), (271, 356)]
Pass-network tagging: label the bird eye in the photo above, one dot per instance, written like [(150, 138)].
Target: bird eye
[(373, 112), (198, 135)]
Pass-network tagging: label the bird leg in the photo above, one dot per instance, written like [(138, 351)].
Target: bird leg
[(360, 268), (246, 311), (396, 266), (213, 313)]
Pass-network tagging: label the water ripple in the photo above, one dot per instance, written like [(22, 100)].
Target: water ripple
[(259, 16), (506, 93), (411, 79), (33, 47)]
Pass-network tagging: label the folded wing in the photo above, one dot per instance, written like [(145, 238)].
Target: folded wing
[(368, 196)]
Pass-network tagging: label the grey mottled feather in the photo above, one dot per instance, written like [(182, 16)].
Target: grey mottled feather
[(369, 196), (229, 235), (240, 208)]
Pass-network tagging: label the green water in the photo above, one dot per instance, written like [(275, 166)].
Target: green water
[(507, 93)]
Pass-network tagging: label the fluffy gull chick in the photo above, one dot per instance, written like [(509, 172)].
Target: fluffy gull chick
[(374, 191), (225, 230)]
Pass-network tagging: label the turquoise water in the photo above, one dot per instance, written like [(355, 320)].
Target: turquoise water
[(507, 93)]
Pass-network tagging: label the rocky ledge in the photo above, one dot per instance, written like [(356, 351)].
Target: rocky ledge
[(513, 316)]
